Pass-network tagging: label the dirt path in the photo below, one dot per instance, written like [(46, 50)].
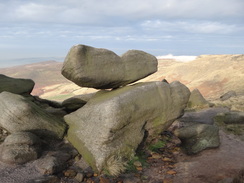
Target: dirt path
[(213, 165)]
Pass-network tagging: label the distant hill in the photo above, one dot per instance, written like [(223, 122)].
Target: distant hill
[(213, 75)]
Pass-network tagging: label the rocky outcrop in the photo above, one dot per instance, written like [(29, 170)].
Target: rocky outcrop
[(109, 128), (20, 147), (19, 114), (103, 69), (15, 85), (198, 137), (196, 100)]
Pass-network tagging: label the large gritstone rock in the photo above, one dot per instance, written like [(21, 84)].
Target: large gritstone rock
[(19, 114), (109, 128), (14, 85), (102, 69)]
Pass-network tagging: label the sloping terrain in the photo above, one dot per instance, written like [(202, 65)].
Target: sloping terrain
[(213, 75)]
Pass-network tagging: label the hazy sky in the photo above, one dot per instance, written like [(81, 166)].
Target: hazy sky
[(49, 28)]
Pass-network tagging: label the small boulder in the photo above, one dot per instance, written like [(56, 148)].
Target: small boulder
[(16, 85), (198, 137), (228, 95), (196, 100), (53, 163), (20, 114), (20, 147), (102, 69)]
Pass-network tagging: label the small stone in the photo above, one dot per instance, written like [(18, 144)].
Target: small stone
[(79, 177), (156, 156), (167, 159), (171, 166), (104, 180), (139, 168), (70, 173), (171, 172)]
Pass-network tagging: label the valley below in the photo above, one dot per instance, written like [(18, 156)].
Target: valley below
[(212, 75)]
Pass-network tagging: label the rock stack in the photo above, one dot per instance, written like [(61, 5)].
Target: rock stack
[(109, 127), (105, 127)]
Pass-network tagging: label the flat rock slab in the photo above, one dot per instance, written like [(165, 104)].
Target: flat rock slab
[(109, 128), (205, 116), (102, 69), (16, 85), (19, 114)]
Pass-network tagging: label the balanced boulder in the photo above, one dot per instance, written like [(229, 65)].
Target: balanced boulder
[(15, 85), (109, 128), (20, 114), (103, 69)]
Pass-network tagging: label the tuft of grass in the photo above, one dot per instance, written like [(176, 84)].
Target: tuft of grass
[(155, 147), (115, 166)]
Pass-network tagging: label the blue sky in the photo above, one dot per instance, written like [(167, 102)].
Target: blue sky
[(48, 29)]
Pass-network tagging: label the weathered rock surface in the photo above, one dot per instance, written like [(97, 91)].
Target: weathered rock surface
[(196, 100), (20, 147), (198, 137), (20, 114), (111, 125), (15, 85), (103, 69), (76, 102)]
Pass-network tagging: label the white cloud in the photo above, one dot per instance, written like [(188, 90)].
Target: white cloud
[(205, 27), (182, 58), (108, 11)]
